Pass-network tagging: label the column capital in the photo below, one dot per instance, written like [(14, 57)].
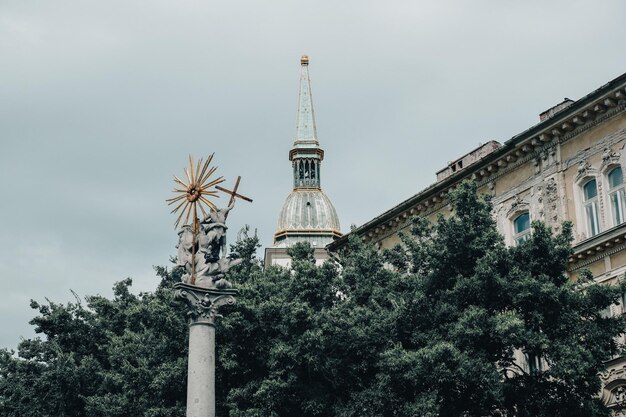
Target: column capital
[(203, 303)]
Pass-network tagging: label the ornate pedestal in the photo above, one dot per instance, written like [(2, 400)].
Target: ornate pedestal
[(203, 306)]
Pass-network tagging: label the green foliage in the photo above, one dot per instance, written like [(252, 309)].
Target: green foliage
[(301, 252), (245, 248), (475, 302), (429, 328), (119, 357)]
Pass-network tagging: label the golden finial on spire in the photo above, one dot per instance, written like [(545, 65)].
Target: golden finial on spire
[(304, 60)]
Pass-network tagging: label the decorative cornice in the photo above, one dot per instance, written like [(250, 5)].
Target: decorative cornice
[(547, 146), (203, 303), (304, 189), (592, 123), (308, 232), (306, 153), (535, 150), (598, 247), (602, 255)]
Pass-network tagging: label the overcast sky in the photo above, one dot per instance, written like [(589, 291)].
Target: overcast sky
[(102, 101)]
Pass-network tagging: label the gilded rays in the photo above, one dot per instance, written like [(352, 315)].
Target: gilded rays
[(196, 191)]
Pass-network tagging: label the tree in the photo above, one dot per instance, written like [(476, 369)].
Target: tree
[(435, 336), (430, 328), (119, 357), (468, 303)]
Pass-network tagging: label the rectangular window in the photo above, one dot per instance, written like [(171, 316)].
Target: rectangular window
[(590, 195), (592, 218), (617, 206)]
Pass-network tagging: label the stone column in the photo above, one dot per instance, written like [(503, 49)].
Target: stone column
[(203, 306)]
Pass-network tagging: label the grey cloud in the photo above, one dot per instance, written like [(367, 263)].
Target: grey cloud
[(101, 102)]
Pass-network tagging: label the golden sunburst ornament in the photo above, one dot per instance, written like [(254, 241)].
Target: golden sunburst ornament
[(195, 193)]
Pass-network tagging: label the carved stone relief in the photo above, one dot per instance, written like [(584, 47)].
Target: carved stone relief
[(537, 162), (619, 395), (535, 198), (545, 159), (548, 203), (517, 204), (499, 214), (614, 390), (618, 413), (609, 157), (204, 303), (584, 170)]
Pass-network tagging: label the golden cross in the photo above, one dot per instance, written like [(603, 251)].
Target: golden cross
[(234, 193)]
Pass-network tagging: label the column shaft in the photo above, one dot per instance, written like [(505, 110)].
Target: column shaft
[(201, 371)]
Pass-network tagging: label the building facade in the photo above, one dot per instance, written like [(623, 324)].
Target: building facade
[(569, 166), (307, 215)]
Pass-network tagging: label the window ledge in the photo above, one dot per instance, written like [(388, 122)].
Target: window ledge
[(603, 241)]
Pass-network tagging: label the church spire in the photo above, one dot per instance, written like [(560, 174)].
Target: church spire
[(308, 215), (305, 128), (306, 155)]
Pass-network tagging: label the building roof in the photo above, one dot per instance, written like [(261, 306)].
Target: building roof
[(561, 124), (310, 211)]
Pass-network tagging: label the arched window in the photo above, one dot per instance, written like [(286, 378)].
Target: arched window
[(616, 195), (521, 228), (590, 202)]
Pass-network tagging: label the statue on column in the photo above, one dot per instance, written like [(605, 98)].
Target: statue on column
[(202, 244), (204, 288), (204, 256)]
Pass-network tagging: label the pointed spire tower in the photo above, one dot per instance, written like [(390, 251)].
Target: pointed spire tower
[(308, 214)]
